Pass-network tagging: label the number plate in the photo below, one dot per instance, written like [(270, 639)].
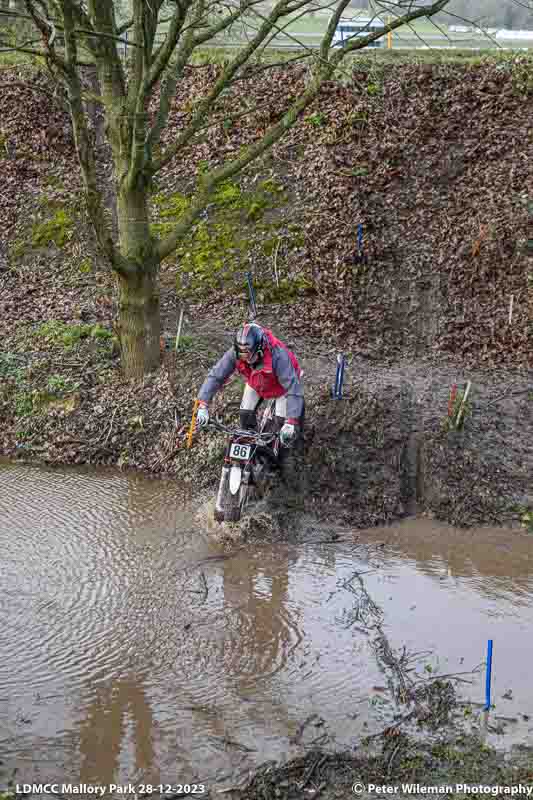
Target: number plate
[(240, 451)]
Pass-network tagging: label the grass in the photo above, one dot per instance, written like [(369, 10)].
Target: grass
[(10, 367), (58, 384), (187, 342), (379, 57), (527, 520), (56, 332)]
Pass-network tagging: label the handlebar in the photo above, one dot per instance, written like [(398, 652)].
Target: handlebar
[(259, 438)]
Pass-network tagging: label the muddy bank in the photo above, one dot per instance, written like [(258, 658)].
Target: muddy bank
[(381, 453), (392, 454), (452, 761)]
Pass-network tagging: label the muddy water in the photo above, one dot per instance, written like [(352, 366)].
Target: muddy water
[(133, 649)]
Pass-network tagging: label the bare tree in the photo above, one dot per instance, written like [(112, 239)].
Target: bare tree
[(68, 30)]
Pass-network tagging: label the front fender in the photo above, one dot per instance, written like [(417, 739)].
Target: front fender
[(235, 477)]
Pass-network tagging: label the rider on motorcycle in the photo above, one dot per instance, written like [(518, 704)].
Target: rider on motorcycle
[(270, 370)]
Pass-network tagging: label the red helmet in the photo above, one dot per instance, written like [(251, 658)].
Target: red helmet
[(249, 343)]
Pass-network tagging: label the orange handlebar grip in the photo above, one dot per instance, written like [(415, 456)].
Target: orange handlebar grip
[(193, 424)]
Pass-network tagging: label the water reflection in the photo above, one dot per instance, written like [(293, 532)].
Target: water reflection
[(506, 557), (255, 598), (118, 711)]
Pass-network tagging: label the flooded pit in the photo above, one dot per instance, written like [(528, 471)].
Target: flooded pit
[(135, 649)]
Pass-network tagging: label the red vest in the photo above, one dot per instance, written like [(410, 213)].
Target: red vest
[(263, 380)]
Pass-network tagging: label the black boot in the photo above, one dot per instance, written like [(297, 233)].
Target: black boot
[(248, 420)]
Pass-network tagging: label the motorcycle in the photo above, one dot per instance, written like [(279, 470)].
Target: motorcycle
[(250, 458)]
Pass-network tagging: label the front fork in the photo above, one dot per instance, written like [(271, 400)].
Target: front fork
[(222, 488), (224, 484)]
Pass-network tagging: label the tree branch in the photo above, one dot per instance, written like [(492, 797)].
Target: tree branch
[(88, 32), (225, 22), (217, 176), (325, 68), (168, 90), (84, 146), (110, 71), (475, 25), (47, 29), (277, 29), (167, 48), (332, 27), (124, 27), (363, 41), (135, 100), (222, 83)]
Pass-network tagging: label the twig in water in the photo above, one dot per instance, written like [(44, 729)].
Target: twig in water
[(299, 733), (205, 591), (460, 415), (454, 674), (468, 703), (391, 728), (320, 789), (319, 738)]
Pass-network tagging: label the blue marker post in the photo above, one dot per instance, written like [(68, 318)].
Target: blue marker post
[(360, 257), (336, 390), (360, 241), (253, 307), (489, 675)]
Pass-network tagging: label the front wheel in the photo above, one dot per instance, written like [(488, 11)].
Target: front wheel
[(232, 506), (236, 504)]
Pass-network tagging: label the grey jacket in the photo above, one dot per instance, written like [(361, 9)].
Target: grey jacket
[(282, 367)]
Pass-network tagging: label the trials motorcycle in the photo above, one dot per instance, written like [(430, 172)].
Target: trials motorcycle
[(250, 460)]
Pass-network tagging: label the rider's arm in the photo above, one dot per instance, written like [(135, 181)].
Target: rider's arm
[(217, 376), (288, 377)]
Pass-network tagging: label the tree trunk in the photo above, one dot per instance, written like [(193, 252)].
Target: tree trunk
[(139, 320), (139, 323)]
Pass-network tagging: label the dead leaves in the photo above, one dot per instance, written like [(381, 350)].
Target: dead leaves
[(433, 163)]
